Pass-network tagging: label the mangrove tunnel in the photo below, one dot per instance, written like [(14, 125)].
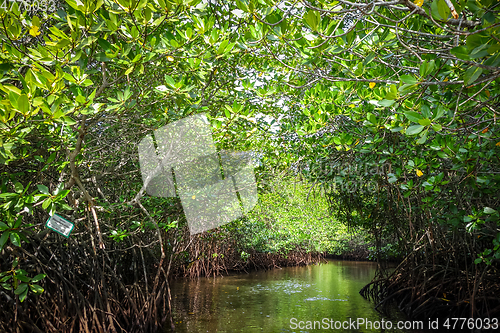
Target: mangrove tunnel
[(256, 165)]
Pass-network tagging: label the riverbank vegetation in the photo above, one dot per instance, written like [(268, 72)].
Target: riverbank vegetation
[(373, 126)]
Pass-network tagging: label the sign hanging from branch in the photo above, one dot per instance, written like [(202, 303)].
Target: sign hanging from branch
[(60, 225)]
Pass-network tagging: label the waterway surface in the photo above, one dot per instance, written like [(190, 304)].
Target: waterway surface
[(281, 300)]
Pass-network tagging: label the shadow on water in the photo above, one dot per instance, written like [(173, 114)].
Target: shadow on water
[(281, 300)]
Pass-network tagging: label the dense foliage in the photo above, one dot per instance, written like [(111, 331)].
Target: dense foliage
[(293, 216), (388, 109), (393, 112)]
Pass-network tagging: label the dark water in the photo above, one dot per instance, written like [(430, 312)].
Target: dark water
[(280, 299)]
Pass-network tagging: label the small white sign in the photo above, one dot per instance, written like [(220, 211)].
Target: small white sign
[(60, 225)]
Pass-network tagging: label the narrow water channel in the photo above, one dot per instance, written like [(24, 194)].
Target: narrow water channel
[(281, 300)]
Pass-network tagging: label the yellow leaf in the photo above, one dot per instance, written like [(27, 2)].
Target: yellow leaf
[(445, 79), (487, 92), (372, 84), (170, 58), (193, 197), (485, 130), (352, 105), (419, 173), (497, 144), (419, 2), (34, 31)]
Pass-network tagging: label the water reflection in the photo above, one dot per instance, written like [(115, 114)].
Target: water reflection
[(267, 301)]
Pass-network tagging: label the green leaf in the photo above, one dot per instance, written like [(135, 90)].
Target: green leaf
[(42, 188), (23, 104), (62, 195), (222, 47), (472, 74), (38, 277), (21, 289), (65, 206), (480, 51), (68, 120), (23, 278), (423, 138), (129, 70), (51, 157), (3, 226), (134, 33), (413, 116), (59, 188), (443, 9), (478, 261), (170, 81), (415, 129), (36, 288), (19, 221), (46, 203), (393, 92), (312, 19), (386, 102), (441, 154), (430, 67), (106, 46), (460, 52), (8, 195), (371, 118), (424, 122), (369, 58), (407, 79), (242, 5), (3, 239), (15, 239), (423, 68), (18, 187), (426, 111), (406, 88), (22, 297), (488, 210), (439, 112), (437, 127), (13, 97)]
